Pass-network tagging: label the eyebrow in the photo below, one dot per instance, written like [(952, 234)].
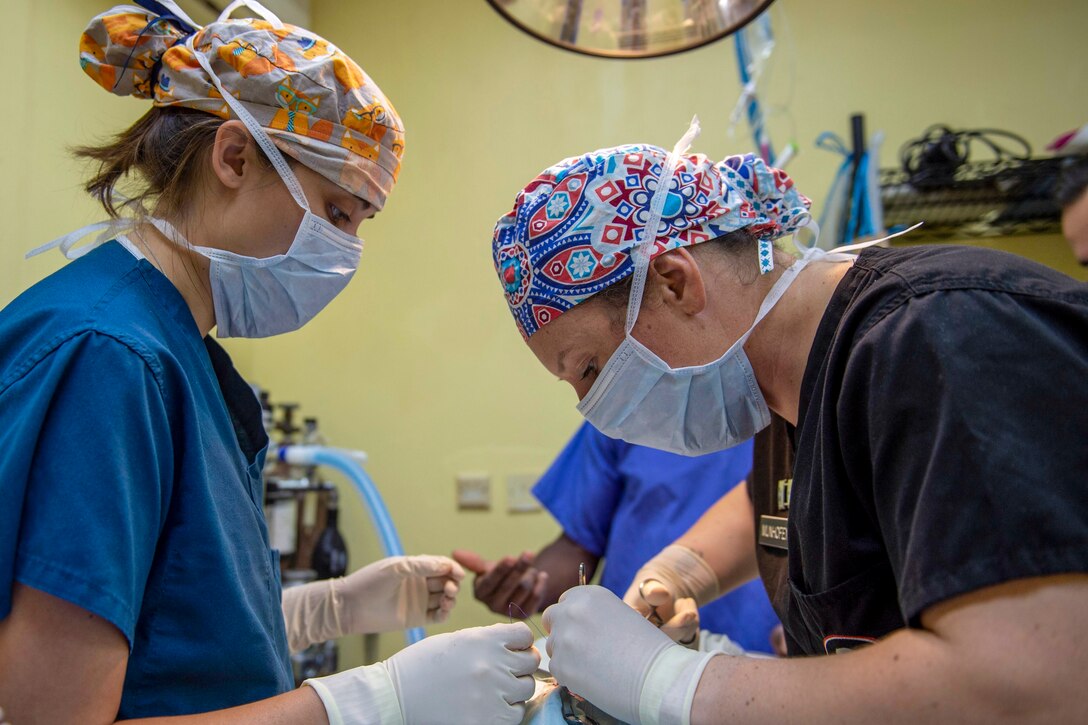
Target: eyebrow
[(357, 204), (365, 207)]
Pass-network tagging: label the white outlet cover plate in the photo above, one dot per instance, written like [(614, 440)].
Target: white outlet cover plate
[(473, 491), (519, 493)]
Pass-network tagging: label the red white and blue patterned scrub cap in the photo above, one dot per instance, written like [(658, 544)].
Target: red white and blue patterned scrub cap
[(573, 228)]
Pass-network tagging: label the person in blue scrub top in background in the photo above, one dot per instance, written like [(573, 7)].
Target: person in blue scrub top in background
[(624, 503), (136, 578)]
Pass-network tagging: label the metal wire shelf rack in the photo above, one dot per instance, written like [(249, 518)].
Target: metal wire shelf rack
[(976, 199)]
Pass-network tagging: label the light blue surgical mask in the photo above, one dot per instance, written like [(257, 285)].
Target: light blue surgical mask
[(253, 297), (693, 410), (260, 297), (265, 296)]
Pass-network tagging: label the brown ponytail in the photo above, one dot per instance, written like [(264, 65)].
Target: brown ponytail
[(162, 157)]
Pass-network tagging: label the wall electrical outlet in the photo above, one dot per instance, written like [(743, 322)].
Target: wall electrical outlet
[(519, 493), (474, 491)]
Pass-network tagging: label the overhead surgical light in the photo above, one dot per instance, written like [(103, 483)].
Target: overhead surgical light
[(629, 28)]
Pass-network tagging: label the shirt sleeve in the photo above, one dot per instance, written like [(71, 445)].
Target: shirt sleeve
[(963, 426), (88, 453), (583, 487)]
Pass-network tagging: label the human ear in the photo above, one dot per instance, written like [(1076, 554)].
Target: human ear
[(233, 154), (679, 281)]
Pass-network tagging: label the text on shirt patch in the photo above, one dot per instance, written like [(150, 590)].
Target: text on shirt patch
[(772, 531)]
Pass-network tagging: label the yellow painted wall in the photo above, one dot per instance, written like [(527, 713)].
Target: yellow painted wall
[(418, 361)]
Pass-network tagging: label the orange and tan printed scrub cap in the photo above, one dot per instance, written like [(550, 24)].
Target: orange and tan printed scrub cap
[(315, 102)]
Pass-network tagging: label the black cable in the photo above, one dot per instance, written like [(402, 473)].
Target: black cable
[(932, 159)]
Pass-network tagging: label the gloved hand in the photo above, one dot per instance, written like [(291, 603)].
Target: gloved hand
[(604, 651), (674, 584), (499, 584), (390, 594), (717, 642), (480, 675)]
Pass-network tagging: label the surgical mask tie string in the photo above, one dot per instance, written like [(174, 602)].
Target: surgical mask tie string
[(837, 253), (643, 248), (261, 10), (67, 243), (259, 135)]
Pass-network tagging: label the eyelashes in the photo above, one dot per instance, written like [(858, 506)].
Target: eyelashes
[(337, 215)]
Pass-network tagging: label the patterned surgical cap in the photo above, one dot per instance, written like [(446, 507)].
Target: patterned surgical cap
[(318, 106), (572, 229)]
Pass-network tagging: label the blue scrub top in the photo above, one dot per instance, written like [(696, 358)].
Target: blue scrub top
[(130, 484), (626, 503)]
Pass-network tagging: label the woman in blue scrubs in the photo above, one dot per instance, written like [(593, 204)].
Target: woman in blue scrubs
[(136, 578)]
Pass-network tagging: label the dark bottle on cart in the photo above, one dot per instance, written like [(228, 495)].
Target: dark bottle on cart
[(330, 557)]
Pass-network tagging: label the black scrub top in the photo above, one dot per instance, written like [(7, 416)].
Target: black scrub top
[(941, 445)]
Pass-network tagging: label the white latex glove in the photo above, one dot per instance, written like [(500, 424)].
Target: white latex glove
[(394, 593), (480, 675), (715, 642), (675, 583), (604, 651)]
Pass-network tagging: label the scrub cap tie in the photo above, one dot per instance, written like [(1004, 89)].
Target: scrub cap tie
[(315, 102), (573, 229)]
